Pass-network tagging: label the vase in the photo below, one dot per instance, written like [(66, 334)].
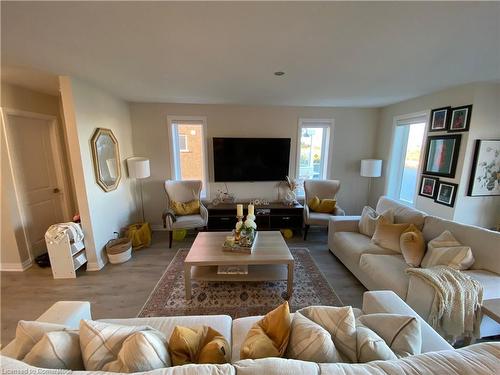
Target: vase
[(247, 237)]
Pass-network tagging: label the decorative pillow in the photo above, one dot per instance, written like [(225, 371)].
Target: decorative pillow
[(310, 342), (446, 250), (370, 346), (401, 333), (340, 323), (324, 206), (198, 345), (57, 350), (120, 348), (186, 208), (370, 218), (388, 235), (314, 203), (412, 246), (269, 336), (28, 334)]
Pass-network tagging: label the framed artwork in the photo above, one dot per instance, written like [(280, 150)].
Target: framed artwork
[(446, 193), (440, 118), (442, 154), (485, 176), (428, 186), (460, 119)]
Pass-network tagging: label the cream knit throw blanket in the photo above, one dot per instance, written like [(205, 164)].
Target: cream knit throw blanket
[(456, 310)]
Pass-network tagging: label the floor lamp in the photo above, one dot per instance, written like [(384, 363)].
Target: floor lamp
[(371, 168), (139, 168)]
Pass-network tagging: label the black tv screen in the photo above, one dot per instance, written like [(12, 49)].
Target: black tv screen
[(251, 159)]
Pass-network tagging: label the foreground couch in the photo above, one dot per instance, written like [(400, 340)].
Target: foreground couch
[(439, 357), (382, 269)]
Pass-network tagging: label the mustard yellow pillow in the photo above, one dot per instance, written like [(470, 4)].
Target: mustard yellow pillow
[(198, 345), (186, 208), (269, 336), (314, 203), (412, 246), (389, 235)]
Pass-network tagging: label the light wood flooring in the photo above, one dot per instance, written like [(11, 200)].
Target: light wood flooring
[(120, 291)]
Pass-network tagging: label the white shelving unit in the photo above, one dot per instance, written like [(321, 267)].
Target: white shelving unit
[(66, 257)]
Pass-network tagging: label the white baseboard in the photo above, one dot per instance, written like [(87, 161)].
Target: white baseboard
[(94, 266), (16, 266)]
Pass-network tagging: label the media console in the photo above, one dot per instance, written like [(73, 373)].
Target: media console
[(274, 216)]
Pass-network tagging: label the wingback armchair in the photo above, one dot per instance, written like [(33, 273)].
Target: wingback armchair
[(183, 191), (322, 189)]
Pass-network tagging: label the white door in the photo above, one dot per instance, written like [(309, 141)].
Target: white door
[(33, 153)]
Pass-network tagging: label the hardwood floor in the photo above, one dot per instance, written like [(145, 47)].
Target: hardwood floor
[(120, 291)]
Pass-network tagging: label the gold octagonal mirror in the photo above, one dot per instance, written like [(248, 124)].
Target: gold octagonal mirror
[(106, 156)]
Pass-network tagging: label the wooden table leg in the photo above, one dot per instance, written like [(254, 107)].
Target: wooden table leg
[(187, 280), (290, 280)]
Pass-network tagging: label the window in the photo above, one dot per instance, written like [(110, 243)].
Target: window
[(183, 143), (405, 159), (188, 154), (312, 153)]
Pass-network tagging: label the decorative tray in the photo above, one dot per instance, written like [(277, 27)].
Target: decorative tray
[(237, 248)]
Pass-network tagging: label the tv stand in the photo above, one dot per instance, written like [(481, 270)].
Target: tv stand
[(275, 216)]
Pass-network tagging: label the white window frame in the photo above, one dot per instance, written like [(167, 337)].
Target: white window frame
[(174, 145), (186, 148), (396, 158), (318, 123)]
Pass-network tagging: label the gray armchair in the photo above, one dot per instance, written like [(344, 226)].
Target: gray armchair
[(183, 191), (322, 189)]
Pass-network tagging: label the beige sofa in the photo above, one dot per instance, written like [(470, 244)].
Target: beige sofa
[(382, 269), (438, 356)]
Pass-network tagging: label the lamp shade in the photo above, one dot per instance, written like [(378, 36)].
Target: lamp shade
[(371, 168), (138, 167)]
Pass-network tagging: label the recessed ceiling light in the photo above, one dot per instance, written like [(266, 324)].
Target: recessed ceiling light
[(279, 73)]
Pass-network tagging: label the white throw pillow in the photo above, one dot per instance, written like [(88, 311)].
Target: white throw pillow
[(310, 342), (120, 348), (370, 346), (340, 323), (28, 334), (447, 251), (370, 218), (57, 350), (401, 333)]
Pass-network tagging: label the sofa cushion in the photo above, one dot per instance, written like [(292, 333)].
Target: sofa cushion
[(388, 235), (370, 218), (445, 250), (189, 221), (402, 213), (166, 325), (489, 280), (387, 272), (318, 218), (276, 366), (198, 345), (351, 245), (483, 242), (57, 350), (310, 342)]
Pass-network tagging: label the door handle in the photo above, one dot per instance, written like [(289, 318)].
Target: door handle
[(56, 190)]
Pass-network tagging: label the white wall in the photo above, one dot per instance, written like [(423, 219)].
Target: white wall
[(484, 124), (86, 108), (353, 139)]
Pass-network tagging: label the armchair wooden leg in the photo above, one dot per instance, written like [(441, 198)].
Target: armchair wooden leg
[(306, 229), (170, 235)]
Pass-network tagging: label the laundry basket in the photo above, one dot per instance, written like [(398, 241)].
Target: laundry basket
[(119, 250)]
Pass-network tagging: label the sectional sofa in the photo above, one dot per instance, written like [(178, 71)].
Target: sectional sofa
[(438, 356), (382, 269)]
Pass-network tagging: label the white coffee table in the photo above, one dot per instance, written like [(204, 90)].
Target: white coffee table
[(270, 260)]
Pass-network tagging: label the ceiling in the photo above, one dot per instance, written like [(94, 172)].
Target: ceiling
[(334, 54)]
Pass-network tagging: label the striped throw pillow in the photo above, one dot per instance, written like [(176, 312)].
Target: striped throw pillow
[(447, 251)]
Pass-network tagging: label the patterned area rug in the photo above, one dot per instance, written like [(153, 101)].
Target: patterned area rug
[(238, 299)]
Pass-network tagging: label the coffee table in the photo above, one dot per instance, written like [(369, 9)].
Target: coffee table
[(270, 260)]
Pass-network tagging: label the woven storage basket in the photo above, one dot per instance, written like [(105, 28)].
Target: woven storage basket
[(119, 250)]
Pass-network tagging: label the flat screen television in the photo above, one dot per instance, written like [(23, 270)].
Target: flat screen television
[(251, 159)]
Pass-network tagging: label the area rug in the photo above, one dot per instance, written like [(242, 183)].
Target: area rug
[(238, 299)]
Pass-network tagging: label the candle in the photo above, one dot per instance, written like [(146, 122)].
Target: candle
[(239, 210), (251, 209)]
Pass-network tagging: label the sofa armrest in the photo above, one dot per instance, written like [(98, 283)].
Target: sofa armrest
[(386, 301), (68, 313), (343, 224), (339, 211)]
